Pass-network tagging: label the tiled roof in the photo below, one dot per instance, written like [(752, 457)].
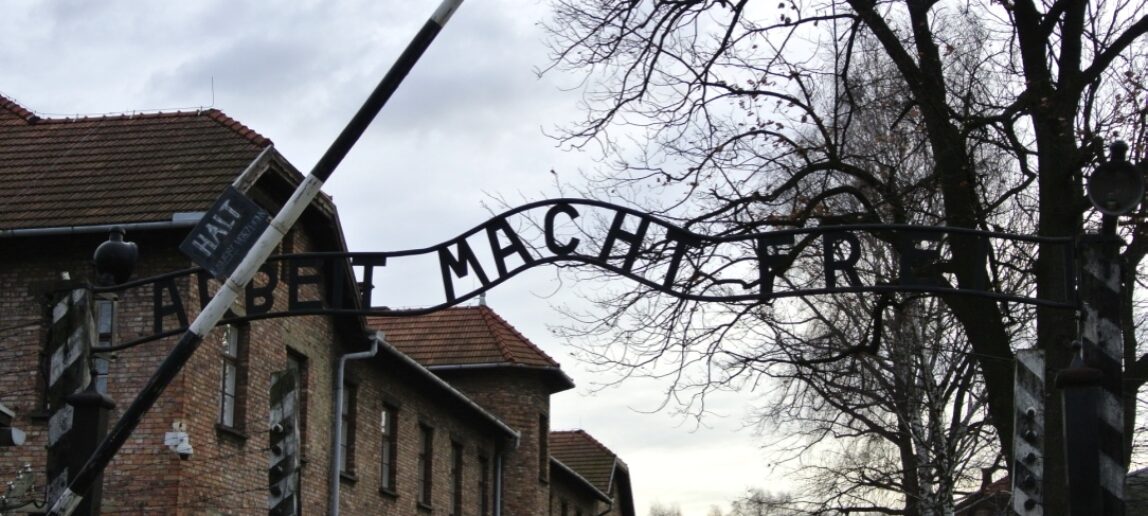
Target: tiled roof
[(116, 169), (468, 335), (586, 456)]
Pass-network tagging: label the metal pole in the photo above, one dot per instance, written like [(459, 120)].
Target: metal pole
[(1081, 385), (213, 312)]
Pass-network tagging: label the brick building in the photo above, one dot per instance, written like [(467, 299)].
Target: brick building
[(598, 468), (450, 415)]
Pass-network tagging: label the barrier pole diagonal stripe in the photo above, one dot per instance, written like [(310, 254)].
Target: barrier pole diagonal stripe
[(213, 312)]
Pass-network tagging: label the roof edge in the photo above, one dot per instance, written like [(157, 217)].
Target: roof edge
[(214, 114), (250, 134), (18, 110), (561, 378), (586, 483), (493, 321)]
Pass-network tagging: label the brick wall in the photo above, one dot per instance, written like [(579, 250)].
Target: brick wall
[(577, 501), (519, 398), (227, 474), (379, 382), (28, 268)]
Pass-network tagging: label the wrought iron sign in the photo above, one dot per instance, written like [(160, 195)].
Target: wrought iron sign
[(756, 267)]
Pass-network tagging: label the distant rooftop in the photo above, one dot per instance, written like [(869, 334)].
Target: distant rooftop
[(468, 335), (582, 453)]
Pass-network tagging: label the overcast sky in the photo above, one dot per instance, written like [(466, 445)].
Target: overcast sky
[(466, 126)]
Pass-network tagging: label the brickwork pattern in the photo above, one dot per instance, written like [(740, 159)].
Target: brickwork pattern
[(517, 397), (576, 501), (227, 474)]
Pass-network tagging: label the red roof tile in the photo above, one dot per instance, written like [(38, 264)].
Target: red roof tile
[(116, 169), (461, 336), (586, 456)]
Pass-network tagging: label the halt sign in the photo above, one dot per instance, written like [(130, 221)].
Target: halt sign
[(225, 233)]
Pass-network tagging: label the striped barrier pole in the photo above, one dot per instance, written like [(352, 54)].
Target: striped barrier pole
[(1100, 286)]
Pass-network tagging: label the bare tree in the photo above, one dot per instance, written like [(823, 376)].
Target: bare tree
[(657, 509), (738, 117), (758, 502)]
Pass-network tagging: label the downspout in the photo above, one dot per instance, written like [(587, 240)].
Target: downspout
[(498, 483), (336, 437), (610, 484)]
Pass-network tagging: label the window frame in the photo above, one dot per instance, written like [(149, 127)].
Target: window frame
[(389, 448), (349, 415), (425, 468), (297, 364), (105, 337), (483, 485), (543, 447), (233, 355), (457, 463)]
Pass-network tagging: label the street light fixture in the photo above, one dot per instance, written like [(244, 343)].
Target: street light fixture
[(115, 259), (1116, 186)]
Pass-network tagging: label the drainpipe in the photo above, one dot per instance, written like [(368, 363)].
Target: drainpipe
[(498, 484), (337, 437)]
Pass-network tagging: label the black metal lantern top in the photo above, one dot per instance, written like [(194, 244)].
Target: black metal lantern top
[(115, 259), (1116, 187)]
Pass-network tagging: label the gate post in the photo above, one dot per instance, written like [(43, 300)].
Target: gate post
[(1103, 350)]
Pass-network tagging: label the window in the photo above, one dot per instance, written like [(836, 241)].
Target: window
[(297, 366), (231, 400), (483, 485), (456, 478), (426, 459), (347, 433), (543, 447), (105, 330), (100, 366), (388, 423)]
